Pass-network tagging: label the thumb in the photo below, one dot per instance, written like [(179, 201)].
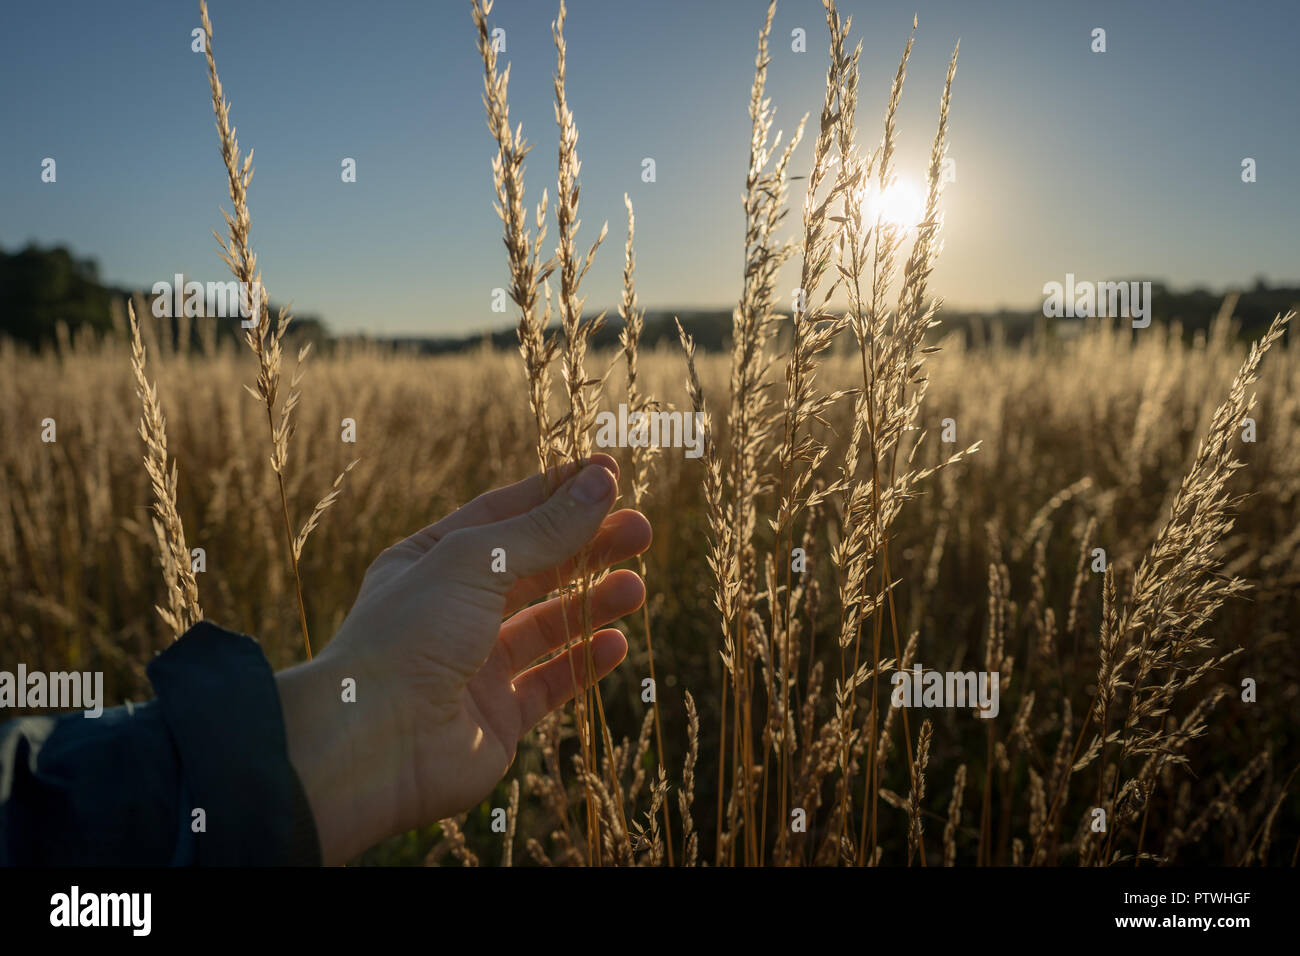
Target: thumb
[(538, 539)]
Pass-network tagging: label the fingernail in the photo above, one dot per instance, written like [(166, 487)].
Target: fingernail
[(610, 465), (592, 486)]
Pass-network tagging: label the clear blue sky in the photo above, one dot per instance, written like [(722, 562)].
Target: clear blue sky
[(1124, 163)]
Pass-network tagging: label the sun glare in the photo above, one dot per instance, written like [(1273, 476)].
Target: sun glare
[(901, 205)]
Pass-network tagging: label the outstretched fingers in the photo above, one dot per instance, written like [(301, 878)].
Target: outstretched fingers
[(508, 502), (622, 535), (541, 689), (545, 627)]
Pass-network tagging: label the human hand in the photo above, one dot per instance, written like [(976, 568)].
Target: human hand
[(441, 648)]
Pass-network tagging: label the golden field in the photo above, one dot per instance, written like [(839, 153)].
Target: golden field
[(1083, 444), (1099, 525)]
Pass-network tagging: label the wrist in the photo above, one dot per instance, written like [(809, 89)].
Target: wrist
[(336, 745)]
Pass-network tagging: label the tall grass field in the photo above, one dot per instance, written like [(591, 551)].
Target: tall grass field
[(1101, 529)]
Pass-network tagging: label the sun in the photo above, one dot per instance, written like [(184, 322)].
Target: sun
[(901, 205)]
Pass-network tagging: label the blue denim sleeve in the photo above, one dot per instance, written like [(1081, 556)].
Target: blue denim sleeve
[(124, 789)]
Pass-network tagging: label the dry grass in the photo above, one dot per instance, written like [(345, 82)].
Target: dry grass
[(1120, 690), (265, 343), (183, 610), (80, 572)]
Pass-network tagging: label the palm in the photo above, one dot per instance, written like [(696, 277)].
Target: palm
[(460, 668), (462, 710)]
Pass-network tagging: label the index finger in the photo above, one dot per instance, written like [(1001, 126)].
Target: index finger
[(502, 503)]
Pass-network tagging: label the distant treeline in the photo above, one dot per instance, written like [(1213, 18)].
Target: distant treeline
[(43, 288)]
